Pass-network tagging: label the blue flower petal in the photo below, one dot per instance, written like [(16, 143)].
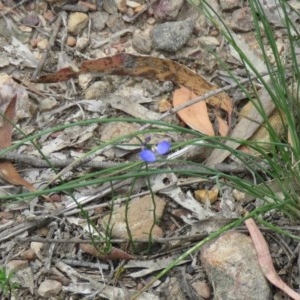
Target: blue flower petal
[(163, 147), (147, 155)]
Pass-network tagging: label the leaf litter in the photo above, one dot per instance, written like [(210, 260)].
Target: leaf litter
[(118, 57)]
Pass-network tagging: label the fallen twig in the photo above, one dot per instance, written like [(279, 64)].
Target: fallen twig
[(49, 45)]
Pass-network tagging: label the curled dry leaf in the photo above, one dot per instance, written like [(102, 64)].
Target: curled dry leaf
[(7, 127), (265, 260), (195, 116), (7, 170), (148, 67), (8, 88)]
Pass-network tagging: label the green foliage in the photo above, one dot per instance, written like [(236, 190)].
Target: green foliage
[(6, 284), (277, 160)]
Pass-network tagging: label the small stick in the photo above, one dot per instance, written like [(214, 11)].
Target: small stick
[(58, 163), (50, 44)]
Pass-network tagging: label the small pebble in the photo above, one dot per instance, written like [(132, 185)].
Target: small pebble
[(49, 15), (132, 4), (238, 195), (28, 255), (42, 44), (202, 289), (82, 43), (141, 41), (205, 195), (151, 21), (25, 28), (77, 22), (30, 20), (164, 105), (121, 5), (71, 41)]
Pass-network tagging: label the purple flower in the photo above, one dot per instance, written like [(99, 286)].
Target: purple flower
[(161, 148)]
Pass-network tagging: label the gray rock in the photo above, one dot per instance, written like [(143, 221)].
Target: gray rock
[(171, 36)]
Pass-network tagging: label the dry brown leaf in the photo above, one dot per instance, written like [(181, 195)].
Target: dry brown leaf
[(114, 254), (195, 116), (7, 170), (265, 260), (11, 175), (7, 127), (222, 126), (9, 88)]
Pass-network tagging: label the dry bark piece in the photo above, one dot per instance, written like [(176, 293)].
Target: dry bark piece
[(114, 254), (148, 67)]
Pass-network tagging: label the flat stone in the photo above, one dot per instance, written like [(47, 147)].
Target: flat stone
[(49, 288), (171, 36), (232, 267), (77, 22), (140, 219)]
